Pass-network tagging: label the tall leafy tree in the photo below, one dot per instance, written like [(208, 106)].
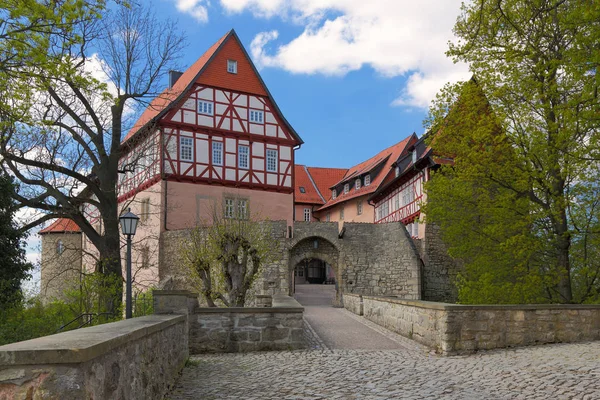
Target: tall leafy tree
[(536, 65), (14, 268), (64, 102)]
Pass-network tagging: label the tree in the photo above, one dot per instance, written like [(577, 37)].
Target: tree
[(63, 111), (536, 64), (226, 256), (14, 268)]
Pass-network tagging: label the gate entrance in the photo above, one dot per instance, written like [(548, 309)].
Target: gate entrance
[(314, 271)]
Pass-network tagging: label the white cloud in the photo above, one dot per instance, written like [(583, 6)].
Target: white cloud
[(394, 37), (194, 8)]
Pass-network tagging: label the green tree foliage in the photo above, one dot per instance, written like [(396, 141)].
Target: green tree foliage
[(226, 256), (67, 82), (519, 206), (14, 268)]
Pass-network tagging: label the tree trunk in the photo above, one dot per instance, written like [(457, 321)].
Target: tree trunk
[(563, 245)]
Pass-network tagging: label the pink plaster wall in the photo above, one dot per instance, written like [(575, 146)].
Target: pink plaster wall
[(300, 212), (350, 212), (189, 204)]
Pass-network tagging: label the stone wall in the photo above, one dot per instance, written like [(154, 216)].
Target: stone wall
[(60, 271), (439, 269), (216, 330), (138, 358), (452, 328)]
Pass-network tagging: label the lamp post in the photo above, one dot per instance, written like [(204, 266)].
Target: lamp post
[(129, 223)]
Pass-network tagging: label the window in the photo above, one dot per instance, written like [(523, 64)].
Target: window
[(217, 153), (302, 189), (385, 209), (333, 194), (145, 210), (307, 214), (415, 230), (271, 160), (243, 153), (359, 207), (205, 107), (397, 172), (342, 213), (414, 156), (145, 256), (229, 211), (232, 66), (346, 188), (397, 201), (357, 184), (367, 180), (186, 148), (256, 116), (407, 196), (242, 208), (60, 247), (328, 217)]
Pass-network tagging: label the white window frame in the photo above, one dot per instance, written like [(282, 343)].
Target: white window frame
[(307, 214), (60, 247), (328, 217), (367, 180), (397, 171), (346, 188), (232, 66), (397, 202), (342, 214), (217, 149), (333, 194), (242, 208), (188, 145), (357, 184), (229, 208), (243, 156), (206, 107), (257, 117), (359, 208), (272, 158), (414, 156)]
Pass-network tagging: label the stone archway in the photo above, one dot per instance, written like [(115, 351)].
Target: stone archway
[(315, 248)]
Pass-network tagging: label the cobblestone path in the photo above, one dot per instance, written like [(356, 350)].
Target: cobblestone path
[(336, 327), (545, 372)]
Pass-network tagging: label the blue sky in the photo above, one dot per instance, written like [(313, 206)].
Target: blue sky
[(352, 76), (337, 71)]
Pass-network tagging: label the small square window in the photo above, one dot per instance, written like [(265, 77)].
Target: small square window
[(302, 189), (232, 66), (256, 116), (205, 107)]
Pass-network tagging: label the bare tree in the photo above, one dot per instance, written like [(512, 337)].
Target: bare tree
[(62, 139)]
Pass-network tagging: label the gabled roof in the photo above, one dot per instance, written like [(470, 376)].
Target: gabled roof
[(384, 160), (62, 225), (169, 98), (316, 183)]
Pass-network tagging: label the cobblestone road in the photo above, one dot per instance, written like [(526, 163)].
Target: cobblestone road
[(410, 371)]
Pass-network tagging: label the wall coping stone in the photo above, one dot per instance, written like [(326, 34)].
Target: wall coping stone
[(466, 307), (281, 304), (185, 293), (81, 345)]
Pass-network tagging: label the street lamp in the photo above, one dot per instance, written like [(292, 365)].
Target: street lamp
[(129, 223)]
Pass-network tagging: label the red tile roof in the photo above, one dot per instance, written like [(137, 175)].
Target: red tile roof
[(387, 157), (209, 70), (169, 95), (61, 225), (316, 183)]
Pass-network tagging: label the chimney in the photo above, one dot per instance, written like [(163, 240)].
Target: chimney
[(173, 77)]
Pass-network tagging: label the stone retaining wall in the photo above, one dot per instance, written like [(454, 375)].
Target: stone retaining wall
[(138, 358), (215, 330), (452, 328)]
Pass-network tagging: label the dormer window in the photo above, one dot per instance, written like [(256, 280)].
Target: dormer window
[(333, 194), (346, 188), (232, 66), (357, 184), (367, 180), (414, 156), (302, 190), (397, 171)]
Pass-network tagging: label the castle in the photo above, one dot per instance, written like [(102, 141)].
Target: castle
[(216, 141)]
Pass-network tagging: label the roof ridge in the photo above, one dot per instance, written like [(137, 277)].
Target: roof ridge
[(314, 184)]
